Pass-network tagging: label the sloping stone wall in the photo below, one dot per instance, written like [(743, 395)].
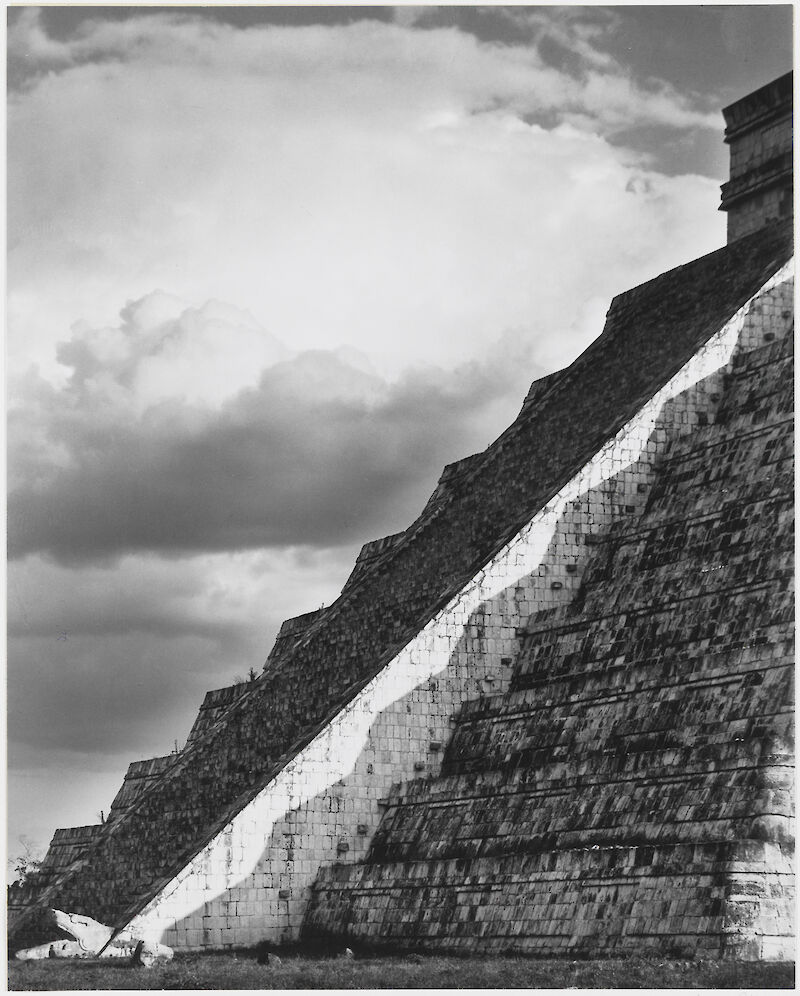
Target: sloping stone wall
[(290, 633), (214, 706), (370, 555), (633, 787), (69, 844), (139, 776)]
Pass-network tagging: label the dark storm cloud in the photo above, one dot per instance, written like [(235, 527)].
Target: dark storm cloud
[(76, 694), (106, 613), (64, 23), (319, 453), (721, 51)]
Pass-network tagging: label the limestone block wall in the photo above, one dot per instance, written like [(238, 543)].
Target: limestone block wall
[(759, 132), (453, 475), (139, 776), (633, 787), (68, 845), (539, 388), (212, 709), (253, 881), (677, 899), (288, 635), (758, 146), (770, 204), (371, 553)]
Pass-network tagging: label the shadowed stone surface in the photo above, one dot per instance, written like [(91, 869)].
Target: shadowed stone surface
[(633, 788)]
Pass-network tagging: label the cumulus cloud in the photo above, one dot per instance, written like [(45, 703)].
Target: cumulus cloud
[(163, 350), (400, 189), (521, 76), (170, 435)]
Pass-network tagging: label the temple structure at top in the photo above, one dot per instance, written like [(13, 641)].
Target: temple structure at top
[(759, 133)]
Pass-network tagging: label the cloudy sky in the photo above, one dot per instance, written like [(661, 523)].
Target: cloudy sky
[(269, 269)]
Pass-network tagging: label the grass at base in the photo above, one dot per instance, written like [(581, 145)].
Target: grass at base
[(242, 971)]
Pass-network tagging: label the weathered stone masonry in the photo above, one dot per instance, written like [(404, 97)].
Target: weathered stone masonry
[(633, 786), (759, 133)]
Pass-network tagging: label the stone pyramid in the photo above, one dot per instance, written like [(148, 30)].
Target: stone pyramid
[(554, 714)]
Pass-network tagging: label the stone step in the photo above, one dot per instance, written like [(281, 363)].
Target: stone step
[(618, 898)]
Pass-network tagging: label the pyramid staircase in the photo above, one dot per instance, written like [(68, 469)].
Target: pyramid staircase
[(633, 786)]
